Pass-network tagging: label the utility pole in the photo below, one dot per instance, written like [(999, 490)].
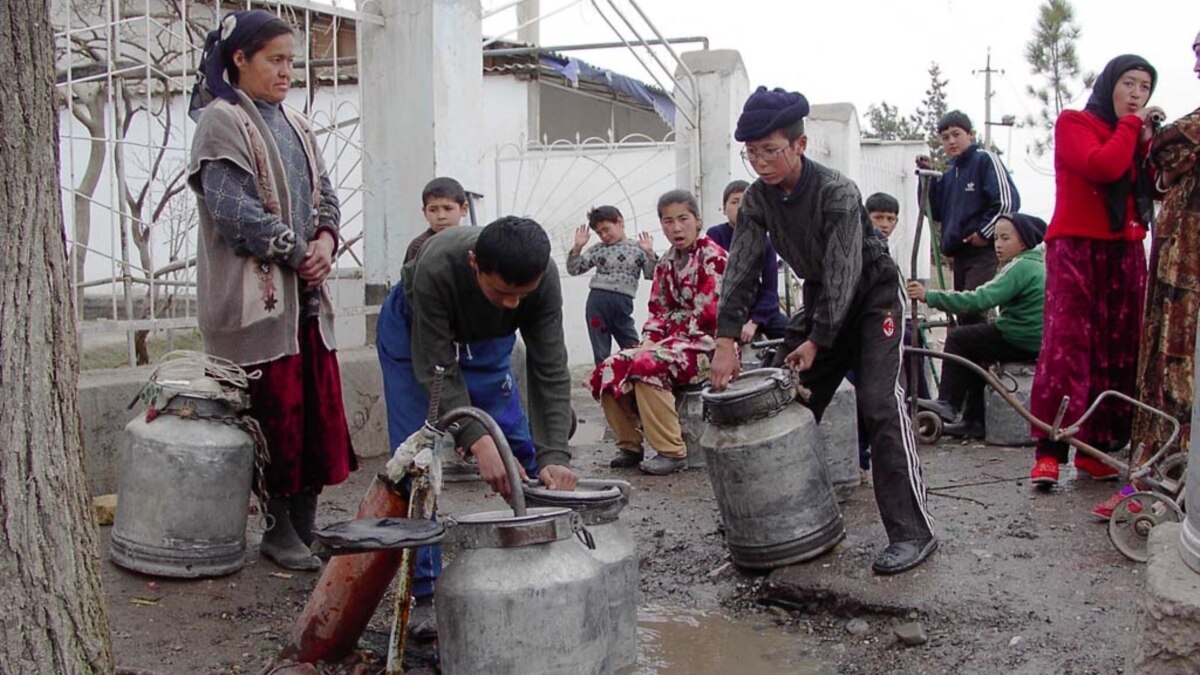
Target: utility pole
[(987, 98)]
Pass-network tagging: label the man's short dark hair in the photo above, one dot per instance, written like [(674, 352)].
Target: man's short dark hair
[(603, 214), (882, 202), (679, 197), (515, 248), (444, 188), (955, 118), (735, 187)]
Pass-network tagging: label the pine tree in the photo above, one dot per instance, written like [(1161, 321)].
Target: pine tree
[(933, 106), (885, 122), (1051, 56)]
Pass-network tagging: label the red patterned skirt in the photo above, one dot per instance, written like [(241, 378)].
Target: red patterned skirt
[(298, 403), (1093, 325)]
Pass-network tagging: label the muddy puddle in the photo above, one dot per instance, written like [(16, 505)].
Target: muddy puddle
[(676, 640)]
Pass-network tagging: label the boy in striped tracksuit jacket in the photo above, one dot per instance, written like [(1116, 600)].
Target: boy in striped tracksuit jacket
[(974, 192)]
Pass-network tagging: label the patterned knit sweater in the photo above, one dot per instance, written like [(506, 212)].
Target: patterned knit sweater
[(618, 266)]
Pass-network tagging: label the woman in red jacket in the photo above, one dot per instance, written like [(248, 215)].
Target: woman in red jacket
[(1096, 264)]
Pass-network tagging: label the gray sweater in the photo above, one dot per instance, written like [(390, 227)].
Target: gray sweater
[(618, 266)]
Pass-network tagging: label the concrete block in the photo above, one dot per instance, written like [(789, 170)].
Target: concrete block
[(104, 397), (690, 409), (1005, 426), (362, 396), (1167, 628), (839, 436)]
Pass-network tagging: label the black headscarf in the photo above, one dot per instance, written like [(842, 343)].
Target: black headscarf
[(234, 31), (1137, 180), (1030, 229)]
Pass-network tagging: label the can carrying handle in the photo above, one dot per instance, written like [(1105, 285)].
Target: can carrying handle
[(581, 531)]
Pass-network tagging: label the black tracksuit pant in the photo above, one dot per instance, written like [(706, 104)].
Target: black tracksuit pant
[(982, 344), (974, 266), (869, 344)]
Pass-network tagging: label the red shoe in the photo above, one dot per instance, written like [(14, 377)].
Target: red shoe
[(1104, 510), (1044, 472), (1095, 468)]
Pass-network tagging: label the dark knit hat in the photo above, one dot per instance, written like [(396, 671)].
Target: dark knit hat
[(766, 111), (1031, 229)]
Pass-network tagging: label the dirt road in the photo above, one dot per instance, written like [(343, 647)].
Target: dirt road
[(1025, 582)]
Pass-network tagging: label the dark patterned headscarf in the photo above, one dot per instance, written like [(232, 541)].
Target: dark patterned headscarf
[(234, 31), (1137, 179)]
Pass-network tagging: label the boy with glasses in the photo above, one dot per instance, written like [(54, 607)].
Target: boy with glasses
[(853, 299)]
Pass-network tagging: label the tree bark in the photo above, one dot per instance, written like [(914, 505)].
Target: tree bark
[(53, 618)]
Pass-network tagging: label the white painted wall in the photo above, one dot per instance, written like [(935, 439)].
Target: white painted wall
[(887, 166)]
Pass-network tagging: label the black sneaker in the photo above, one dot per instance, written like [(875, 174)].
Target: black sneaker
[(941, 408), (904, 555), (626, 459), (964, 429)]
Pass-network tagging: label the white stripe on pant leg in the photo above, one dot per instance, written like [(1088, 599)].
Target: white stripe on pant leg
[(906, 431)]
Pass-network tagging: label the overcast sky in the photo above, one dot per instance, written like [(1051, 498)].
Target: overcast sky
[(866, 51)]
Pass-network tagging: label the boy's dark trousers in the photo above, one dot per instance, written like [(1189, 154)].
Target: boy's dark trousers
[(974, 266), (609, 317), (869, 344), (983, 344)]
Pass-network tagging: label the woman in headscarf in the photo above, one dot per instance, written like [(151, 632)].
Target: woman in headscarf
[(1166, 362), (268, 229), (1096, 265)]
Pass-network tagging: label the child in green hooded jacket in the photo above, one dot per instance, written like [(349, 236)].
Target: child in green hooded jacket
[(1018, 292)]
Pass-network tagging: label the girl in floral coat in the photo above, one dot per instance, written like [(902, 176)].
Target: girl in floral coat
[(634, 386)]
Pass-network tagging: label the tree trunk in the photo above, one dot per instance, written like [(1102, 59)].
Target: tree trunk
[(53, 618), (93, 120)]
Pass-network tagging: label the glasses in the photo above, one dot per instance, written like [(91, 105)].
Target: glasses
[(766, 154)]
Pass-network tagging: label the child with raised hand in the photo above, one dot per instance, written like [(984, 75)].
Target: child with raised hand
[(619, 264)]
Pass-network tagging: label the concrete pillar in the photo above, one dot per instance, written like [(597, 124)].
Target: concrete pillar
[(526, 12), (707, 156), (422, 112), (1166, 636)]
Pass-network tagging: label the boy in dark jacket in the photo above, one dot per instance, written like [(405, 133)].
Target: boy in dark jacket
[(975, 190), (854, 307), (444, 205), (765, 318)]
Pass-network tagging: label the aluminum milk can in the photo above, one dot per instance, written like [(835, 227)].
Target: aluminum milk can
[(764, 463), (600, 502), (522, 596), (184, 488)]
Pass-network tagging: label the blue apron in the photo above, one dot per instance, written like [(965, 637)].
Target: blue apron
[(486, 368)]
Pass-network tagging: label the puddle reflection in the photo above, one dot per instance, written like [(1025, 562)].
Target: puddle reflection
[(677, 640)]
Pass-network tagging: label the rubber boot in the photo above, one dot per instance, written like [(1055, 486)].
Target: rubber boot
[(304, 514), (280, 543)]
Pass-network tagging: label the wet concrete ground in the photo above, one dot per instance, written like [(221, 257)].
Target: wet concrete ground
[(1025, 582)]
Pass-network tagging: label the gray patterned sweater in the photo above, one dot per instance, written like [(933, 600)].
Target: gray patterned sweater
[(821, 229), (618, 266)]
